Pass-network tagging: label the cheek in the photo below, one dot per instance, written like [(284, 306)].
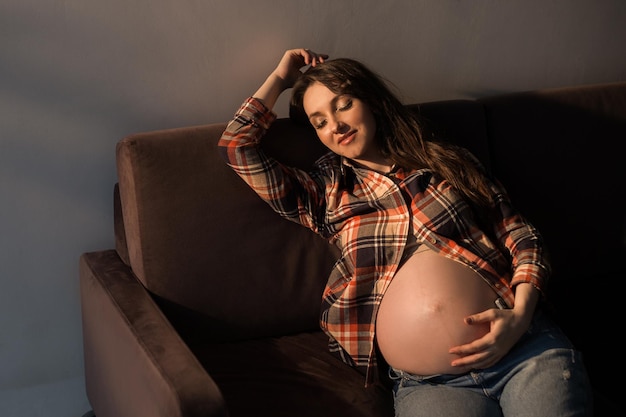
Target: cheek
[(324, 138), (370, 122)]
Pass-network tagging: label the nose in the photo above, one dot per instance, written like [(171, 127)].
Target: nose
[(338, 126)]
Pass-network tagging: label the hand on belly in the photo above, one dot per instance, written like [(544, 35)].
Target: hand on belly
[(421, 315)]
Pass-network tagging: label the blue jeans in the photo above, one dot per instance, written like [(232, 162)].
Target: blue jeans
[(543, 375)]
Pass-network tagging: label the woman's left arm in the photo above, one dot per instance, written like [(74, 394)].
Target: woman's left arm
[(530, 270)]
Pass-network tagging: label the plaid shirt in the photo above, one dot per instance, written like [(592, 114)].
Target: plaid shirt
[(368, 215)]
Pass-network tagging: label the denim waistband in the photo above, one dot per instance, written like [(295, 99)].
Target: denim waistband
[(396, 374)]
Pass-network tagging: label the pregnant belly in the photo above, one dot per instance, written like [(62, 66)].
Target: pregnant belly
[(422, 311)]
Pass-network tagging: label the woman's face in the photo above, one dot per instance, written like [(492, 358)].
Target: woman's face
[(343, 123)]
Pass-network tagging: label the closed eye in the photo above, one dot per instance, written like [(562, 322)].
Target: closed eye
[(346, 106), (319, 124), (341, 106)]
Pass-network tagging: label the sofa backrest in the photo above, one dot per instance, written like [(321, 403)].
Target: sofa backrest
[(215, 255), (206, 246), (558, 152)]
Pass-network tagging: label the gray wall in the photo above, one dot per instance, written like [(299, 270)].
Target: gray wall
[(78, 75)]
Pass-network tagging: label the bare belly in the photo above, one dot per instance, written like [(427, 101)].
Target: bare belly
[(421, 314)]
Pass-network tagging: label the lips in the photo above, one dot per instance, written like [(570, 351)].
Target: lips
[(347, 138)]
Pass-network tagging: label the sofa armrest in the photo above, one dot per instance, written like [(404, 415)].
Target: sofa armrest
[(135, 362)]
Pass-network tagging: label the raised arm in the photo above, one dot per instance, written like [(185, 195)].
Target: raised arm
[(286, 73), (292, 193)]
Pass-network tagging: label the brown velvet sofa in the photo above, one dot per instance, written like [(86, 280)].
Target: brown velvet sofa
[(208, 305)]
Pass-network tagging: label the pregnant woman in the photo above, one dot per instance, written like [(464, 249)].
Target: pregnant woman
[(438, 272)]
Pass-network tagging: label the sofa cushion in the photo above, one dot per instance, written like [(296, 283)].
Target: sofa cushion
[(292, 375)]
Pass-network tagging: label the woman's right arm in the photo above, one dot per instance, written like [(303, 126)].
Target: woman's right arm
[(290, 192)]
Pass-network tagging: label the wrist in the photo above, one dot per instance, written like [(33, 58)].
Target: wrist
[(270, 90), (526, 299)]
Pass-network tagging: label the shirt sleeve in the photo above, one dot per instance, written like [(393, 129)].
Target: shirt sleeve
[(523, 242), (518, 236), (293, 193)]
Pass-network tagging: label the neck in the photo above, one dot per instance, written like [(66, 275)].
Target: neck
[(384, 167)]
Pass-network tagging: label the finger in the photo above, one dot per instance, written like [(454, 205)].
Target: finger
[(465, 350), (473, 362), (309, 56), (306, 54), (482, 317), (475, 319), (473, 347), (476, 358), (481, 361), (313, 58), (322, 57)]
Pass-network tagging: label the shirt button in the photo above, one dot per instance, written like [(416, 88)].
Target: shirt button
[(433, 240)]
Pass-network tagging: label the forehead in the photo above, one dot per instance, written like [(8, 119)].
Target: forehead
[(317, 97)]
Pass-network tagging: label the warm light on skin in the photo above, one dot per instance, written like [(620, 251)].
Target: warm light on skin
[(345, 125)]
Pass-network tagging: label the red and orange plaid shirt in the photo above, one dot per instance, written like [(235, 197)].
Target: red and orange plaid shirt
[(368, 215)]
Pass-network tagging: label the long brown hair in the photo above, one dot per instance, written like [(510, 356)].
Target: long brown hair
[(398, 130)]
